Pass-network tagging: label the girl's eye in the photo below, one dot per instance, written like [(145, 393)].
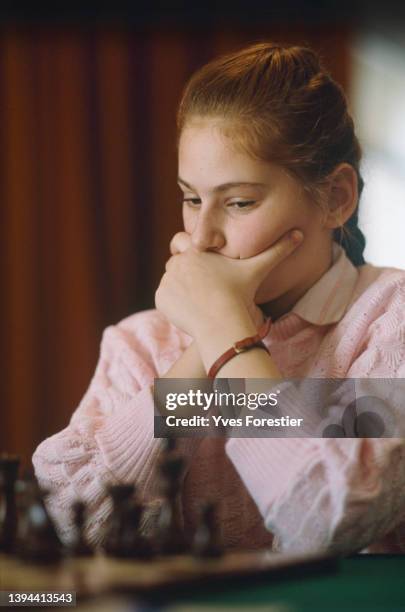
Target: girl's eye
[(192, 201), (242, 204), (239, 204)]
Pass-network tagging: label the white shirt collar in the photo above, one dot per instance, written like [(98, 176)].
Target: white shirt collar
[(326, 301)]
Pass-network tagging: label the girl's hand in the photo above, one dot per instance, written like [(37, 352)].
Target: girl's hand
[(202, 287), (181, 242)]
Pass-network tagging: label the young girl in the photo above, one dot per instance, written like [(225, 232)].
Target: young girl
[(266, 146)]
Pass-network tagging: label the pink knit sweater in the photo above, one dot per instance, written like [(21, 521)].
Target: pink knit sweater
[(295, 494)]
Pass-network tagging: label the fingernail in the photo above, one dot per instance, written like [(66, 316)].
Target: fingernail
[(296, 236)]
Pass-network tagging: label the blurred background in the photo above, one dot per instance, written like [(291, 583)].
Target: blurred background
[(88, 194)]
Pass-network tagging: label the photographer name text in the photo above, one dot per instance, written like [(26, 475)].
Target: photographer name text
[(248, 420)]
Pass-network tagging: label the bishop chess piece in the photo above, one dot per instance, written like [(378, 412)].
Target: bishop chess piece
[(171, 539), (9, 465), (207, 541)]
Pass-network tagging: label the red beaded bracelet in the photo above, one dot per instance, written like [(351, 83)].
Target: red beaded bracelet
[(241, 346)]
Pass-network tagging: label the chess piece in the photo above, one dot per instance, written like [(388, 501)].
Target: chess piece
[(134, 544), (124, 538), (9, 465), (79, 547), (169, 445), (206, 543), (23, 488), (171, 539), (121, 495), (38, 540)]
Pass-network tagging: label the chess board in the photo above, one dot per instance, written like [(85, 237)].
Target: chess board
[(28, 531), (100, 574)]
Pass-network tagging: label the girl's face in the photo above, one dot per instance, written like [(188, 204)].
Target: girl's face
[(238, 206)]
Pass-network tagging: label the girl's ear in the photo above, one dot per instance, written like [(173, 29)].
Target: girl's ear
[(342, 195)]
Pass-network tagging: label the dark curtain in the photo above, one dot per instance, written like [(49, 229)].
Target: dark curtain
[(88, 193)]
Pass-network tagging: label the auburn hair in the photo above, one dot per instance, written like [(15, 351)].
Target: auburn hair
[(279, 104)]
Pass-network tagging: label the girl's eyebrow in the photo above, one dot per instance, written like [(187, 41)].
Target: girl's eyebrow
[(224, 186)]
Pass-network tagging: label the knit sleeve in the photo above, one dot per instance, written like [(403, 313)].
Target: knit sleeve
[(335, 494), (110, 437)]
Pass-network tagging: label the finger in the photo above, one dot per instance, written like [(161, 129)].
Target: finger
[(169, 263), (261, 264), (180, 242), (256, 315)]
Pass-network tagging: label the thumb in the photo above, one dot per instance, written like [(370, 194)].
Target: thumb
[(260, 265)]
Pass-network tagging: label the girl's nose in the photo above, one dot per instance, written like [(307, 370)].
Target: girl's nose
[(207, 235)]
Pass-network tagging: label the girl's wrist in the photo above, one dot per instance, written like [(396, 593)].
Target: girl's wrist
[(215, 337)]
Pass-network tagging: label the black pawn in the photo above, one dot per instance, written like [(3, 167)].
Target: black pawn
[(121, 494), (79, 547), (207, 543), (171, 539), (9, 465)]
